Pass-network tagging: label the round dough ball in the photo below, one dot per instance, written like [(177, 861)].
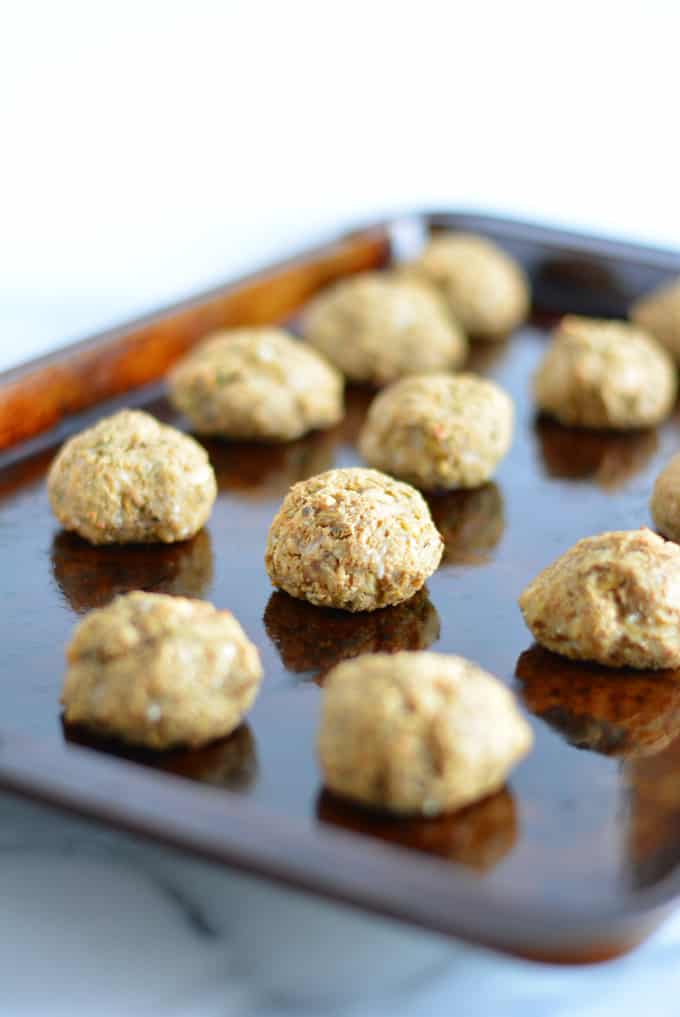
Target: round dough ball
[(353, 539), (159, 671), (439, 431), (418, 732), (256, 384), (608, 374), (375, 328), (613, 599), (665, 502), (659, 314), (486, 290), (131, 480)]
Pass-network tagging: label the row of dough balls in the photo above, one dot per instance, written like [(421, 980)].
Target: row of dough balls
[(415, 733)]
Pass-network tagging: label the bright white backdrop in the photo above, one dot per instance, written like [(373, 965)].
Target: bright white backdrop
[(148, 148)]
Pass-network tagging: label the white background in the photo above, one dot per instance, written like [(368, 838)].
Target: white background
[(150, 148)]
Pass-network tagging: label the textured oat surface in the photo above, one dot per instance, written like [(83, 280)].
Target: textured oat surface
[(159, 671), (376, 327), (659, 313), (353, 538), (613, 598), (439, 431), (417, 732), (610, 374), (130, 479), (256, 383), (665, 501), (485, 289)]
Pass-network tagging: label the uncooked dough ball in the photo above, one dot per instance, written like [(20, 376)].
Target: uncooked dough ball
[(609, 374), (485, 289), (159, 671), (258, 384), (439, 431), (613, 599), (353, 539), (376, 327), (417, 732), (659, 313), (130, 480), (665, 503)]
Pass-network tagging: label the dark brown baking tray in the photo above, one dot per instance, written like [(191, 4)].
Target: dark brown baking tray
[(577, 858)]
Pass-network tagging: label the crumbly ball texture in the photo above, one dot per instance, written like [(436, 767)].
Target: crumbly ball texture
[(665, 502), (486, 290), (130, 479), (439, 431), (256, 384), (613, 599), (353, 539), (420, 733), (659, 314), (376, 328), (608, 374), (159, 671)]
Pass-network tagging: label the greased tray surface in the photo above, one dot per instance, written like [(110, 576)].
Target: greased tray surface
[(577, 856)]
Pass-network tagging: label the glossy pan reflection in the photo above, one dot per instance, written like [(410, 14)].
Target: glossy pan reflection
[(90, 577), (478, 836)]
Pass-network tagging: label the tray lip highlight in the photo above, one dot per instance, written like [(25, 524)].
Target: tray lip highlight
[(476, 911)]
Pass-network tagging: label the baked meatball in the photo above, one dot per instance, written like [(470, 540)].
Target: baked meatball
[(613, 599), (160, 671), (353, 539), (665, 502), (607, 374), (421, 733), (376, 328), (486, 290), (439, 431), (131, 480), (658, 313), (259, 384)]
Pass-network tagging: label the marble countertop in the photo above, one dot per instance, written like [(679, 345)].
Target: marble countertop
[(97, 922)]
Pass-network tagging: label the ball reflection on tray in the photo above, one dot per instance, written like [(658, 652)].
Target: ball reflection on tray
[(311, 638), (90, 576)]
